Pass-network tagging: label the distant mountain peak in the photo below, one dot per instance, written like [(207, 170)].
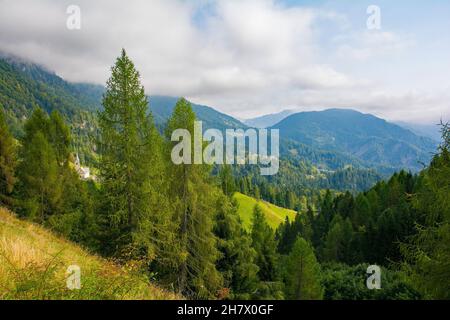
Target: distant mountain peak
[(367, 137)]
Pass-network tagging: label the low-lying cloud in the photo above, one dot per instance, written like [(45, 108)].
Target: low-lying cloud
[(242, 57)]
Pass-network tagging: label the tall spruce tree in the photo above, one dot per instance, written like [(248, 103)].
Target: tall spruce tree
[(8, 162), (263, 241), (48, 184), (59, 137), (194, 198), (427, 254), (40, 188), (134, 219), (338, 239), (302, 273), (236, 262)]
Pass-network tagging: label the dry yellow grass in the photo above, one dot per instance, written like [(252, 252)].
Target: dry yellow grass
[(33, 265)]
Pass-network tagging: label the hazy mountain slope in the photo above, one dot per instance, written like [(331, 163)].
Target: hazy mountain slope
[(432, 131), (45, 89), (69, 95), (24, 86), (364, 136), (268, 120), (162, 107)]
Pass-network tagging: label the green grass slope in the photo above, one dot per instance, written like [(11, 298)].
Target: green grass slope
[(274, 214), (34, 262)]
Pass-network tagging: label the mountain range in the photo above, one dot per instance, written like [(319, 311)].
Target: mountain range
[(372, 140), (329, 140), (268, 120), (432, 131)]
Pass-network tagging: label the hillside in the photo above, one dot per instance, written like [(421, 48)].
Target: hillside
[(432, 131), (162, 107), (274, 214), (24, 86), (268, 120), (372, 140), (33, 263)]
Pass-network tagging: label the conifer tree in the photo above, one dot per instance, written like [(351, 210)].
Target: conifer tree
[(338, 240), (45, 172), (236, 262), (38, 172), (8, 162), (194, 198), (427, 254), (303, 273), (263, 241), (227, 180), (59, 137), (134, 219)]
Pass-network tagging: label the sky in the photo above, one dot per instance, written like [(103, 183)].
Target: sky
[(251, 57)]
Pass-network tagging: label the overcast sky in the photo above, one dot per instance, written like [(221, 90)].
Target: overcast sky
[(248, 58)]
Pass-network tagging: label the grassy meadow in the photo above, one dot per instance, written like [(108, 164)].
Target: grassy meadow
[(274, 214)]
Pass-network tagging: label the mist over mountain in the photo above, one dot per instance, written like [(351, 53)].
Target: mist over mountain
[(330, 139), (432, 131), (268, 120)]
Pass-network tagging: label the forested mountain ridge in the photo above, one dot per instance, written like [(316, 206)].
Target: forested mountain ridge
[(25, 86), (374, 141), (304, 164), (162, 107), (180, 224), (329, 140)]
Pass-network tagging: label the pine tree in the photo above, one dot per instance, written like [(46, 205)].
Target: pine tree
[(338, 240), (227, 180), (427, 254), (194, 198), (50, 190), (40, 188), (59, 137), (134, 219), (303, 273), (8, 162), (263, 241), (236, 262)]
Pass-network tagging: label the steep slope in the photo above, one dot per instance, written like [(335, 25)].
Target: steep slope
[(24, 86), (162, 107), (33, 265), (432, 131), (268, 120), (374, 141), (274, 214)]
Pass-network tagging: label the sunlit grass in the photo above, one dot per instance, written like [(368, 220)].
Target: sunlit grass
[(33, 265), (274, 214)]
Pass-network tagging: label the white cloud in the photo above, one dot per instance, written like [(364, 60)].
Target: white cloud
[(367, 44), (243, 57)]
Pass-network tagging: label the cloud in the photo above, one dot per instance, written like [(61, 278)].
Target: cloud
[(367, 44), (242, 57)]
